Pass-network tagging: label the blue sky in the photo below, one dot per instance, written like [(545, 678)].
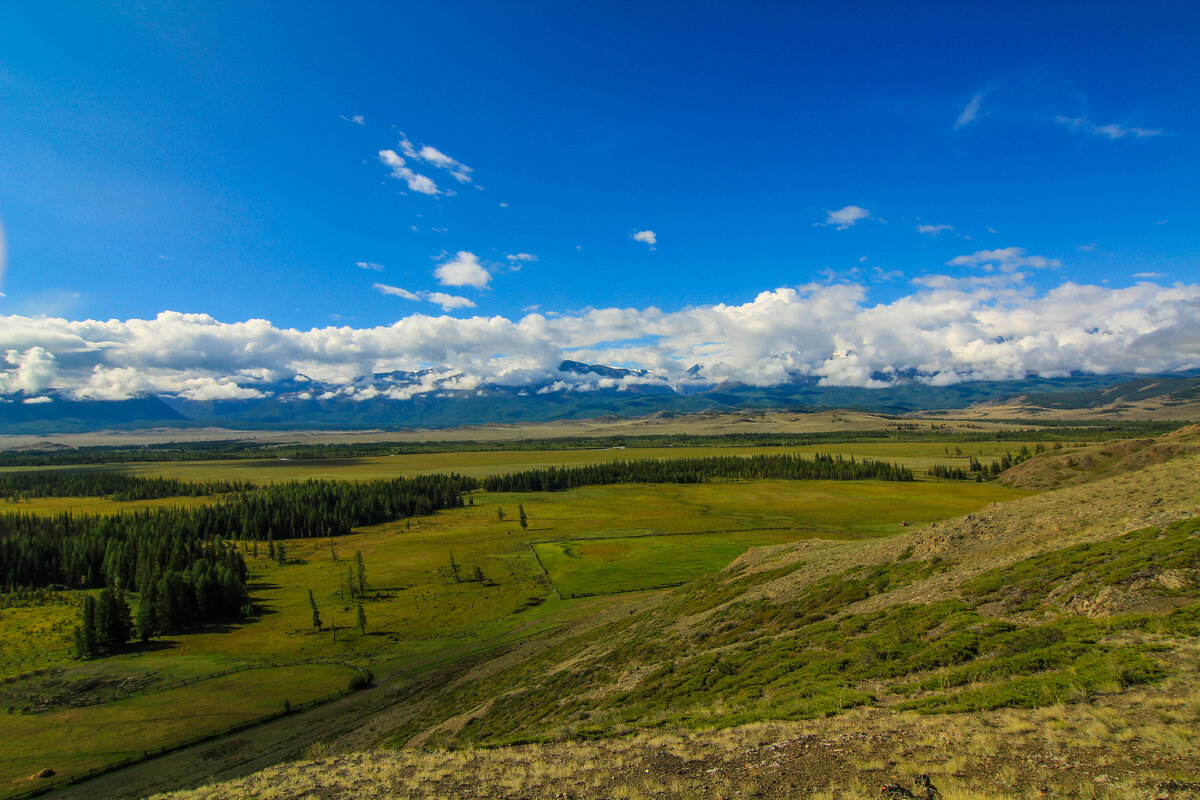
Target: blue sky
[(225, 159)]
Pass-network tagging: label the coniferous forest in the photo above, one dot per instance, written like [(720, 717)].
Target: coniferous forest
[(16, 485), (699, 470)]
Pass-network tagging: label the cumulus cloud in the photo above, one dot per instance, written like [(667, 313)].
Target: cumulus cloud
[(448, 302), (934, 230), (1008, 259), (401, 171), (846, 217), (1110, 131), (369, 265), (646, 237), (949, 329), (463, 269), (32, 371)]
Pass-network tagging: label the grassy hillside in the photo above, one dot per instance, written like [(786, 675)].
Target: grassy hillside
[(1046, 644)]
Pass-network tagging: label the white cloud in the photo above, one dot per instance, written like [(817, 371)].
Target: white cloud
[(1147, 275), (431, 155), (463, 269), (369, 265), (934, 230), (845, 217), (521, 257), (504, 205), (401, 171), (449, 302), (971, 111), (34, 371), (1110, 131), (1008, 259), (949, 329), (646, 237), (395, 291), (357, 119)]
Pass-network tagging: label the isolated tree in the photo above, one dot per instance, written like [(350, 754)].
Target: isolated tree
[(524, 517), (500, 513), (362, 573), (332, 550), (362, 619), (479, 575), (280, 555), (316, 615), (454, 568)]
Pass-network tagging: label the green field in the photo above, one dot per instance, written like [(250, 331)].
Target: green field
[(918, 455), (415, 609), (585, 567), (102, 734)]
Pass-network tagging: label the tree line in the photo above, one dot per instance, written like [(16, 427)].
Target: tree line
[(978, 471), (698, 470), (18, 485), (85, 551), (1038, 430)]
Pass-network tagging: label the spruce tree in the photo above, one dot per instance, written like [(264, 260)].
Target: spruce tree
[(145, 614), (524, 517), (362, 619)]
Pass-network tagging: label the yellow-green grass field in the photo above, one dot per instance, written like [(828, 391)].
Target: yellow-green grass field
[(918, 455), (94, 505), (74, 740), (415, 609), (584, 567)]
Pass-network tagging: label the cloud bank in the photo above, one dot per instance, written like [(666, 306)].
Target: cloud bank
[(951, 330)]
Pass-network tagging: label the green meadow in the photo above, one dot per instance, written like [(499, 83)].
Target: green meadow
[(600, 541), (918, 455)]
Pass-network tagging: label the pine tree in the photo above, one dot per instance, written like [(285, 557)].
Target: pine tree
[(454, 568), (362, 619), (500, 513), (280, 555), (524, 517), (316, 615)]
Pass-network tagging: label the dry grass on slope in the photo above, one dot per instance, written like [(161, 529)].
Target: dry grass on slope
[(1072, 467), (1138, 744)]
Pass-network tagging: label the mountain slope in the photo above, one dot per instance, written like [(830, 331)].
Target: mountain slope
[(863, 655)]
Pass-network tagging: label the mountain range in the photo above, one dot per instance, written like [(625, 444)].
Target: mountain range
[(404, 399)]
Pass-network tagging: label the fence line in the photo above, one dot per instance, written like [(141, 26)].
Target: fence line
[(164, 687), (149, 755)]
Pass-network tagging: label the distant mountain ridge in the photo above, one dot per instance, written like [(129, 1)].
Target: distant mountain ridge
[(417, 399)]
